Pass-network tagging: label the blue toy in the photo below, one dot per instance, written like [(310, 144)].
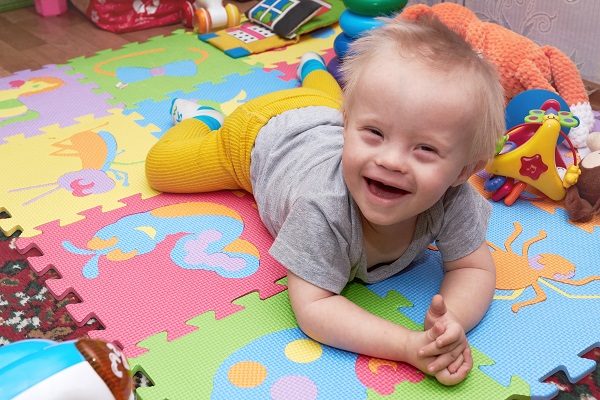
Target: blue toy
[(518, 107), (87, 369), (341, 44), (354, 24)]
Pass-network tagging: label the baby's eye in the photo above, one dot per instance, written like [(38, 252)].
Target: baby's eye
[(375, 132), (427, 148)]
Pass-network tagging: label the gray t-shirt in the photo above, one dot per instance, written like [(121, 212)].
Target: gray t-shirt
[(296, 174)]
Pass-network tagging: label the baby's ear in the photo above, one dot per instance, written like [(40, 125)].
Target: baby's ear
[(469, 170)]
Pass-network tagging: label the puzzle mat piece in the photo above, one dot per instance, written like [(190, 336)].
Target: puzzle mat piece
[(49, 176), (150, 69), (152, 265), (318, 41), (547, 205), (55, 97), (550, 333), (225, 96), (196, 363), (289, 71)]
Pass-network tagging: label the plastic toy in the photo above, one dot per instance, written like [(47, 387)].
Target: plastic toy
[(375, 8), (521, 63), (518, 107), (341, 44), (207, 15), (87, 369), (359, 17), (532, 157), (354, 24)]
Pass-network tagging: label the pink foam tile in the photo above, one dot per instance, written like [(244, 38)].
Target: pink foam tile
[(136, 295)]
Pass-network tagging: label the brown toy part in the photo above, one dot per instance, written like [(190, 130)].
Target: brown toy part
[(583, 199), (110, 364)]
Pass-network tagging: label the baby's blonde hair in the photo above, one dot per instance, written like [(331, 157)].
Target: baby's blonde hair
[(432, 43)]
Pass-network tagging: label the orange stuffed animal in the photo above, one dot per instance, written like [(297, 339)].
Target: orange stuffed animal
[(521, 63)]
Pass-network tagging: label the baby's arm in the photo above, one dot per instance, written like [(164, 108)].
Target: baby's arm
[(468, 286), (465, 296), (336, 321)]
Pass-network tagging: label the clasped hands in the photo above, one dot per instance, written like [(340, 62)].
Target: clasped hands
[(442, 349)]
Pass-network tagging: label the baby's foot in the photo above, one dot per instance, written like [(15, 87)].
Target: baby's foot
[(184, 109), (308, 63)]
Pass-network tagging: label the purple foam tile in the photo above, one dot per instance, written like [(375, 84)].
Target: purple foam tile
[(31, 100)]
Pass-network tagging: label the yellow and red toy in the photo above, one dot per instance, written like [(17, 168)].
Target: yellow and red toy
[(529, 156)]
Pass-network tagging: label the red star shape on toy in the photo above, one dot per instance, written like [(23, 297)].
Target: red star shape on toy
[(532, 167)]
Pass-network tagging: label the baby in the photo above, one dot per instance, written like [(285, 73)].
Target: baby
[(358, 189)]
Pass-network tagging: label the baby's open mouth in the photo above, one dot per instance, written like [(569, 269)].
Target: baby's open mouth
[(380, 189)]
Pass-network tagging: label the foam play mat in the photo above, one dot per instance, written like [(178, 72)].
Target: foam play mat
[(184, 284)]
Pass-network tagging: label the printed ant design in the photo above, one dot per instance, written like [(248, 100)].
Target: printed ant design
[(97, 152), (531, 271)]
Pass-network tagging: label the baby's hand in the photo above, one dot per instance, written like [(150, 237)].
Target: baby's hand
[(417, 340), (447, 374), (450, 345), (464, 364)]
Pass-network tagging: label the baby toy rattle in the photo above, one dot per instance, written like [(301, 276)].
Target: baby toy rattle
[(528, 155), (86, 369), (206, 15)]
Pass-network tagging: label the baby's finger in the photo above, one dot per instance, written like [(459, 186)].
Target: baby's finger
[(448, 379), (453, 368), (445, 360), (432, 334), (437, 330), (430, 350), (468, 356), (451, 334), (437, 308), (433, 349), (466, 366)]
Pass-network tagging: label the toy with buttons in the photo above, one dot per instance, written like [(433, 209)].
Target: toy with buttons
[(359, 16), (527, 154)]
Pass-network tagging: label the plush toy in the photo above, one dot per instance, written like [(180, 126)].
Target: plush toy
[(583, 199), (521, 63)]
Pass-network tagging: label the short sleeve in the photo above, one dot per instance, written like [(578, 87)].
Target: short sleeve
[(465, 222), (311, 245)]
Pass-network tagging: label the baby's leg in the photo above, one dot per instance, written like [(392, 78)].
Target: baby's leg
[(189, 158), (313, 74)]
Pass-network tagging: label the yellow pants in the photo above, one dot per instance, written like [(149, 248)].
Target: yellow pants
[(191, 158)]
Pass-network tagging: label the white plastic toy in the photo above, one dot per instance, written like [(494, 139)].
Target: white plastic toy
[(86, 369)]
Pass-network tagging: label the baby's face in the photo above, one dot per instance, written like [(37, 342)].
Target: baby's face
[(406, 138)]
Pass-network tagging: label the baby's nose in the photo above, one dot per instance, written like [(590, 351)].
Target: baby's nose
[(394, 160)]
